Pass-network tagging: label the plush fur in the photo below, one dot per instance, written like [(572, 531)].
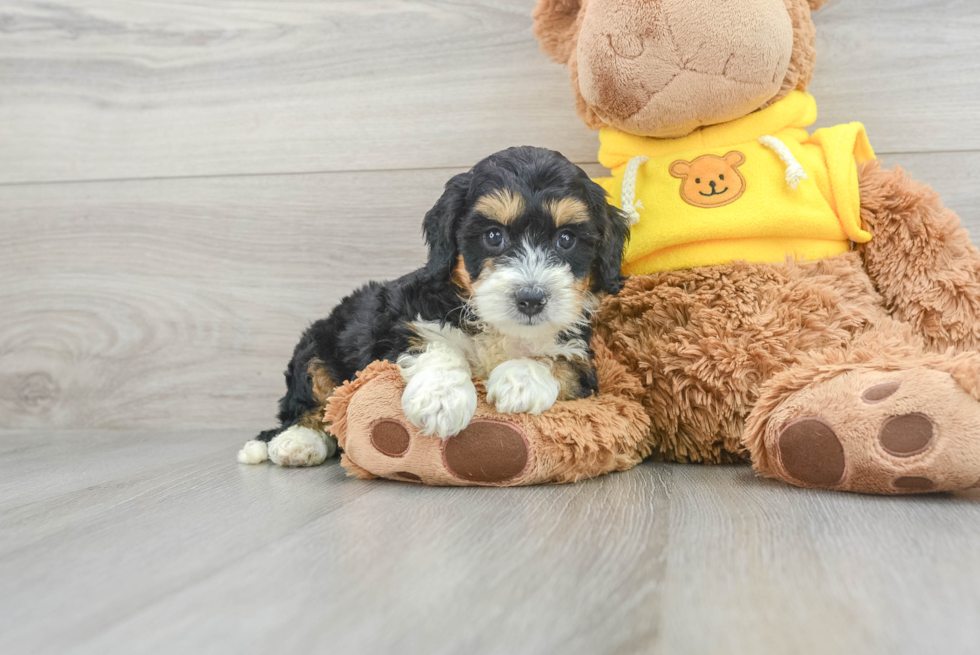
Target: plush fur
[(518, 246), (857, 372), (663, 68)]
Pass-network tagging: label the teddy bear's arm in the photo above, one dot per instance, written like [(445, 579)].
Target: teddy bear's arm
[(921, 259)]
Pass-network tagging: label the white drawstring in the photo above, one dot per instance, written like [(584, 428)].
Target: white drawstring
[(629, 201), (794, 171)]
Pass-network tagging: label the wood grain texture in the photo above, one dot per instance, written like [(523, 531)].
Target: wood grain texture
[(177, 302), (137, 88), (200, 554)]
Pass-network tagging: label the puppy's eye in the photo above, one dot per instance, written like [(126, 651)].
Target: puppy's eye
[(697, 181), (494, 237), (721, 177), (566, 240)]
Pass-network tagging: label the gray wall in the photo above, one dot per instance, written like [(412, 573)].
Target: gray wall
[(184, 187)]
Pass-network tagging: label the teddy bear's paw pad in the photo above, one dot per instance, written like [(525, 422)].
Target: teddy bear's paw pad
[(487, 452), (390, 438), (880, 392), (887, 432), (811, 452), (913, 483), (906, 435)]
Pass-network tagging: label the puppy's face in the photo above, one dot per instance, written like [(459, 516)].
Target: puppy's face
[(527, 262), (533, 240)]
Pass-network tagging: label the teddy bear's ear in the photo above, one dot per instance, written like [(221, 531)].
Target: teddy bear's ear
[(735, 159), (555, 25), (680, 169)]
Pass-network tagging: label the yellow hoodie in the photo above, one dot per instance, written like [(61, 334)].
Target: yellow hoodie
[(758, 189)]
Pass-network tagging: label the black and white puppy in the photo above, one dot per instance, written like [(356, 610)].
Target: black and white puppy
[(518, 248)]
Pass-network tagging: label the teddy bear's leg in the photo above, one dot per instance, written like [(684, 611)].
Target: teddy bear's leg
[(921, 259), (572, 440), (881, 416)]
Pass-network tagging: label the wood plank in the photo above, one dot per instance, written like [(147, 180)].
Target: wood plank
[(750, 568), (758, 566), (205, 555), (177, 303), (88, 558), (341, 568), (137, 88), (98, 458), (134, 89), (907, 69)]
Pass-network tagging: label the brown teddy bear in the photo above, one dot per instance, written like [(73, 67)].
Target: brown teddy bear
[(790, 301)]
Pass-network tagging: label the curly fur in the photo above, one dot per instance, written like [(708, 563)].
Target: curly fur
[(921, 258), (702, 341)]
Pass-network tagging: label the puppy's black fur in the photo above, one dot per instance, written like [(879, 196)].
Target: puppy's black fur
[(373, 322)]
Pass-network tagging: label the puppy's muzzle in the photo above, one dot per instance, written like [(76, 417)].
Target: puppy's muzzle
[(530, 301)]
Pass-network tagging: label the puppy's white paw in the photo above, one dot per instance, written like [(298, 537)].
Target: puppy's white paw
[(300, 446), (439, 402), (253, 452), (522, 386)]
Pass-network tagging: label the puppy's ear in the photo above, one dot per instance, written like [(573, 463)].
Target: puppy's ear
[(442, 221), (614, 230)]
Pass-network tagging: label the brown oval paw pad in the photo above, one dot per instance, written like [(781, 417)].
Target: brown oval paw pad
[(390, 437), (486, 451), (811, 452), (906, 435), (880, 392), (913, 484)]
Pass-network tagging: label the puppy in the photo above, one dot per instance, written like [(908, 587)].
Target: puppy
[(518, 248)]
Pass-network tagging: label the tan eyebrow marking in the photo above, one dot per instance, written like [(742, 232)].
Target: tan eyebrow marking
[(503, 206), (567, 210)]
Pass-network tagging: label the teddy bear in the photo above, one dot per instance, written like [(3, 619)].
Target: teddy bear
[(790, 301)]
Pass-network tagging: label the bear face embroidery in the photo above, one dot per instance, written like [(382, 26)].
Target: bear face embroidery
[(710, 181)]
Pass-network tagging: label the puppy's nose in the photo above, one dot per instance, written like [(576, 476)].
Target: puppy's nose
[(712, 184), (531, 301)]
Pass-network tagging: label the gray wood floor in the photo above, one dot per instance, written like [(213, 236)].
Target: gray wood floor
[(183, 186)]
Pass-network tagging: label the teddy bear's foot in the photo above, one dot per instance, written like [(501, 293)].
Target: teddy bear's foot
[(486, 452), (901, 432), (571, 441), (382, 441)]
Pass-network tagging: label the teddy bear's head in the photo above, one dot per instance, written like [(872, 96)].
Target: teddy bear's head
[(664, 68)]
